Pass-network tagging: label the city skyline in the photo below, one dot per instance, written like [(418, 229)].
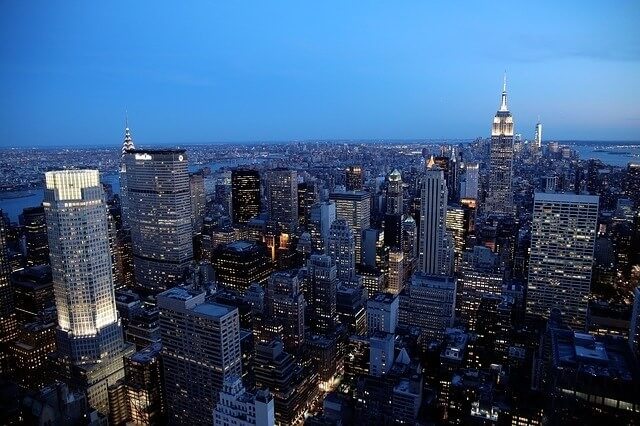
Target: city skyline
[(294, 73)]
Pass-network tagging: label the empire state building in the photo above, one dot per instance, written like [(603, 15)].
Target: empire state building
[(500, 194)]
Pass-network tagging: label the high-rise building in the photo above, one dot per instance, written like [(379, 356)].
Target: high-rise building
[(537, 139), (395, 201), (382, 313), (240, 263), (395, 281), (341, 248), (144, 384), (432, 255), (198, 200), (350, 308), (159, 214), (480, 275), (200, 349), (89, 335), (127, 145), (500, 194), (8, 323), (323, 284), (32, 292), (563, 238), (245, 195), (35, 229), (455, 222), (634, 324), (321, 217), (381, 351), (307, 196), (430, 304), (355, 208), (469, 181), (242, 408), (285, 306), (354, 176), (282, 196)]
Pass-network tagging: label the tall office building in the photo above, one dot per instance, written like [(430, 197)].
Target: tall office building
[(159, 214), (634, 324), (240, 263), (200, 349), (355, 208), (285, 306), (354, 178), (198, 200), (341, 248), (537, 139), (563, 237), (458, 228), (382, 313), (321, 217), (395, 199), (35, 230), (8, 322), (282, 196), (500, 194), (307, 196), (242, 408), (430, 304), (395, 280), (145, 389), (245, 195), (432, 251), (89, 334), (469, 181), (323, 284), (127, 145)]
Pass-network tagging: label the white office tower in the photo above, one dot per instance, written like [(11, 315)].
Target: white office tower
[(382, 313), (433, 247), (430, 304), (282, 198), (537, 140), (500, 194), (469, 181), (381, 352), (395, 282), (321, 217), (562, 242), (237, 407), (89, 334), (341, 248), (200, 349)]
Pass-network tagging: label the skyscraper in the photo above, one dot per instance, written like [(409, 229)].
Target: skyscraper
[(285, 306), (322, 216), (323, 285), (341, 248), (8, 323), (242, 408), (563, 237), (500, 194), (307, 196), (432, 256), (355, 208), (354, 178), (537, 139), (89, 333), (240, 263), (198, 200), (469, 181), (395, 282), (200, 349), (282, 196), (430, 304), (35, 229), (127, 145), (394, 193), (245, 195), (159, 213)]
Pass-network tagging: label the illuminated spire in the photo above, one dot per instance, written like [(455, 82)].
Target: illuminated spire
[(127, 144), (503, 105), (431, 163)]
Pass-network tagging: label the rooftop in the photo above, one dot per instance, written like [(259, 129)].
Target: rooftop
[(213, 309)]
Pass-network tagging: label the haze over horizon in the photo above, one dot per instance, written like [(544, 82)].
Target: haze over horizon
[(290, 71)]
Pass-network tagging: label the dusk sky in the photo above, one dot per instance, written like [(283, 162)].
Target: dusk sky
[(265, 71)]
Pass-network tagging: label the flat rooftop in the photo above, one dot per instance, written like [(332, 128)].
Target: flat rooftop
[(213, 309)]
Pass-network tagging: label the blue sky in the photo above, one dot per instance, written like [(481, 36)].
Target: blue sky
[(261, 71)]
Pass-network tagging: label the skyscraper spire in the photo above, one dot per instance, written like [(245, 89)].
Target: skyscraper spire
[(127, 144), (503, 105)]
